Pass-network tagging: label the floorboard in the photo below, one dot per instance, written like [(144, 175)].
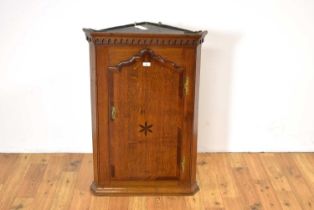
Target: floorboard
[(252, 181)]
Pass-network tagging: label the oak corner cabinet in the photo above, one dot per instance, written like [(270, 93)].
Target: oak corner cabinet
[(144, 93)]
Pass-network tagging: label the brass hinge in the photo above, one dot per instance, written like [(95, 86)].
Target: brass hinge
[(186, 86), (182, 164), (113, 112)]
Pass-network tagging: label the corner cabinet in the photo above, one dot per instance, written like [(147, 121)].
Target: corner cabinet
[(144, 92)]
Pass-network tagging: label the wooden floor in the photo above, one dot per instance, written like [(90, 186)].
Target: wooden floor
[(251, 181)]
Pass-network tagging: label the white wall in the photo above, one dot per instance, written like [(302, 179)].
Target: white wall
[(257, 77)]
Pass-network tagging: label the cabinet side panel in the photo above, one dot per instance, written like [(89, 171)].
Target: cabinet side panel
[(189, 59), (102, 155), (93, 92), (195, 118)]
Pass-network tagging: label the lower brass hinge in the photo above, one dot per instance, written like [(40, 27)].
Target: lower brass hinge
[(182, 164)]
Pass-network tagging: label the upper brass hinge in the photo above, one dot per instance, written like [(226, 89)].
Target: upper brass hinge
[(186, 86), (113, 112)]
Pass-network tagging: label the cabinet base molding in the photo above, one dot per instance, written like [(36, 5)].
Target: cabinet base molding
[(143, 190)]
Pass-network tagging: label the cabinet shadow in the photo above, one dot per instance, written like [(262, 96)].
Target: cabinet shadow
[(215, 91)]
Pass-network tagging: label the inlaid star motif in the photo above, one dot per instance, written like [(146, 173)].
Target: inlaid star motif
[(146, 128)]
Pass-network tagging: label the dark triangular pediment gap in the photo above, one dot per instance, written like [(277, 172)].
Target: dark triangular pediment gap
[(146, 28)]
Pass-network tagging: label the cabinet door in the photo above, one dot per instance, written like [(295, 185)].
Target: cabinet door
[(146, 103)]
